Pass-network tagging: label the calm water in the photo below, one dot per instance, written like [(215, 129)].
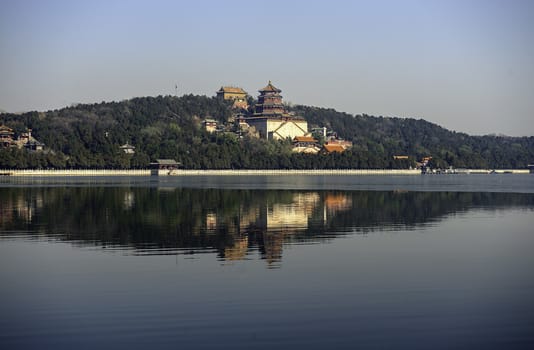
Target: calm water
[(412, 262)]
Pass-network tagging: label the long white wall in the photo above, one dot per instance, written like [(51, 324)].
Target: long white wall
[(183, 172), (71, 172), (290, 172)]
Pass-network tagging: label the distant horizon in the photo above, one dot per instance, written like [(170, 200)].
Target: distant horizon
[(465, 65)]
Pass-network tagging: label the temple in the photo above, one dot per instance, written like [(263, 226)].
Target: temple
[(6, 136), (235, 94), (270, 118), (270, 102), (25, 139)]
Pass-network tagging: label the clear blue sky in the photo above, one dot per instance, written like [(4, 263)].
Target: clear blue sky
[(464, 64)]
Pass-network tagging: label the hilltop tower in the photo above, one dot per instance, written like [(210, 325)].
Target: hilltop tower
[(271, 119), (270, 102), (235, 94)]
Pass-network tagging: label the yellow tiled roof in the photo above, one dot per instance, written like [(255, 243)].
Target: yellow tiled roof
[(5, 128), (334, 148), (270, 88), (304, 139), (232, 89)]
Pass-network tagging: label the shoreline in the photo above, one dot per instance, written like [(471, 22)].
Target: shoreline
[(230, 172)]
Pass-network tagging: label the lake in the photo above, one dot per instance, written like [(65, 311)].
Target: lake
[(299, 262)]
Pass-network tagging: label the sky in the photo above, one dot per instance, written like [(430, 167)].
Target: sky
[(467, 65)]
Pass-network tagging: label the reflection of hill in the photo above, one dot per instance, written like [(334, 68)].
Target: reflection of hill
[(233, 222)]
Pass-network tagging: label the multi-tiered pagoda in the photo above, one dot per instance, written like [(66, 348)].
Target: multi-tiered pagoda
[(270, 102), (271, 119)]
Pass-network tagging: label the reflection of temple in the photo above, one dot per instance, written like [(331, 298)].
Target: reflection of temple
[(334, 203), (296, 214), (272, 247), (211, 221), (238, 250), (280, 216), (129, 200), (6, 214), (19, 209), (235, 224), (270, 222)]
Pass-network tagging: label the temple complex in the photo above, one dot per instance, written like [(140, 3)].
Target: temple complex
[(25, 139), (271, 119)]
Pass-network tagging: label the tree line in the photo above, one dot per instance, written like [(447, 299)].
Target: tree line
[(90, 135)]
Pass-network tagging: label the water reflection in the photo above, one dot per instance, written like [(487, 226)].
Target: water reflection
[(237, 224)]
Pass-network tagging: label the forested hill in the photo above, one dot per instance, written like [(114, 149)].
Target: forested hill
[(90, 136), (419, 138)]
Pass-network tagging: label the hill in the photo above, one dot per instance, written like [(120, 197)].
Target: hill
[(420, 138), (90, 136)]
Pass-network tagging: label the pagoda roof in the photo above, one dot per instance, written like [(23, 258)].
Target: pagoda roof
[(5, 128), (334, 148), (232, 89), (304, 139), (270, 88)]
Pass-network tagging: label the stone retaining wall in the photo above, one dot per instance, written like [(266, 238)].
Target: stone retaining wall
[(182, 172)]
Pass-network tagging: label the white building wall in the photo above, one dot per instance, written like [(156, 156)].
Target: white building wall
[(279, 129)]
